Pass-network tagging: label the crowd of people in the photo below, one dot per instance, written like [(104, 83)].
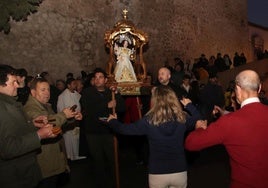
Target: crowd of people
[(260, 54), (45, 123), (203, 66)]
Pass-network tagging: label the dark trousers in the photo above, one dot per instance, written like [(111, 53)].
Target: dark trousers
[(101, 150), (55, 181), (50, 182)]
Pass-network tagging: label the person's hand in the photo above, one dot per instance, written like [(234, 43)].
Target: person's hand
[(56, 130), (114, 89), (217, 110), (184, 101), (40, 121), (46, 132), (111, 116), (201, 124), (69, 113), (112, 104), (153, 89), (78, 116)]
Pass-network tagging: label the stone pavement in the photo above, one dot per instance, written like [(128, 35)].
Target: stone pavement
[(210, 169)]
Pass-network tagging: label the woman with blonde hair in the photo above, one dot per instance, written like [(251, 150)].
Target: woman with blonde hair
[(164, 125)]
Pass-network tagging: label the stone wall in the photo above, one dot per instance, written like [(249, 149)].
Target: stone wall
[(261, 67), (258, 37), (68, 35)]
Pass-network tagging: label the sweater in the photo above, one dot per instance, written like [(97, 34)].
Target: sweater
[(165, 141), (244, 135)]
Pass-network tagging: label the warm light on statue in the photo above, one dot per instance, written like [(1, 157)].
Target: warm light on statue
[(126, 67), (124, 71)]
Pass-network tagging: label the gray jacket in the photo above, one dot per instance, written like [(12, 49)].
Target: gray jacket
[(18, 144)]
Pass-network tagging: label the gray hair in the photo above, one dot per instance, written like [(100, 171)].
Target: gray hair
[(248, 80)]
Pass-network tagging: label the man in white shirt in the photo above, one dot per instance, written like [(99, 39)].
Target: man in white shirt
[(66, 99)]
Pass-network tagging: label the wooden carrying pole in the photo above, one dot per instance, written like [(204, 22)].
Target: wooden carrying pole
[(116, 151), (139, 107)]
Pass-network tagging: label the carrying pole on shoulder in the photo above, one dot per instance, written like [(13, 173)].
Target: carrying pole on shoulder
[(116, 150)]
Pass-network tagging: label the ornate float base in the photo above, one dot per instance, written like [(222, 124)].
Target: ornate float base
[(133, 88)]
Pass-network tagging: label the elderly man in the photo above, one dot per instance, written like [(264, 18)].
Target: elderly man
[(18, 139), (51, 157), (243, 133)]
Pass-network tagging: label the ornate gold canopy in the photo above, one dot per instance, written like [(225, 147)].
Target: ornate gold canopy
[(125, 30), (127, 27)]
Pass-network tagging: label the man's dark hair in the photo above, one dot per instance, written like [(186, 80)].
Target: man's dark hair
[(83, 74), (90, 76), (4, 71), (21, 72), (37, 80), (44, 74), (60, 80), (186, 76), (212, 75), (69, 81), (69, 75), (100, 70)]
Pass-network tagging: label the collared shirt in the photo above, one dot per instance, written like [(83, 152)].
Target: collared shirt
[(187, 88), (250, 100)]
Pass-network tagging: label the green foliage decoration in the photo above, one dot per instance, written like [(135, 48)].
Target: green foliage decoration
[(17, 10)]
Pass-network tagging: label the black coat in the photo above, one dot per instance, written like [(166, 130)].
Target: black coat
[(94, 105), (210, 95)]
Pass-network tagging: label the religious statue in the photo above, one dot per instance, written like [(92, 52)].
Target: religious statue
[(126, 67), (126, 63), (124, 71)]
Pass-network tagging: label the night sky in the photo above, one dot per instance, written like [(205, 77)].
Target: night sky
[(258, 12)]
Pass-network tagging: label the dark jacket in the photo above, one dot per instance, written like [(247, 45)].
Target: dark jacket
[(211, 95), (94, 105), (18, 144), (177, 89)]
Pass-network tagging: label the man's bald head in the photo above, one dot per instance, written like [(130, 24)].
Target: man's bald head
[(248, 80), (247, 85), (164, 75)]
